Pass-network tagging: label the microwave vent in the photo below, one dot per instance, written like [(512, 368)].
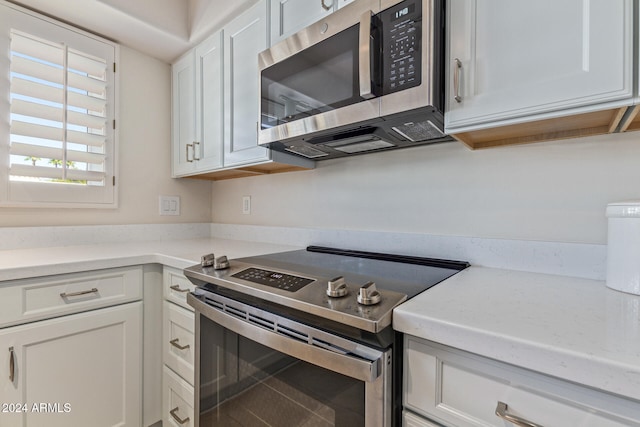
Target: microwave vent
[(360, 146), (419, 131), (306, 151)]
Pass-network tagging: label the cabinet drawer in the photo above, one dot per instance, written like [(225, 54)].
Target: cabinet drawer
[(457, 388), (178, 340), (177, 397), (22, 301), (412, 420), (176, 286)]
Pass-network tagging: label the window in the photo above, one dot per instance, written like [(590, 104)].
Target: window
[(59, 148)]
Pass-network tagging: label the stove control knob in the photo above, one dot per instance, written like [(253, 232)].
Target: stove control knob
[(336, 287), (368, 294), (220, 263), (207, 260)]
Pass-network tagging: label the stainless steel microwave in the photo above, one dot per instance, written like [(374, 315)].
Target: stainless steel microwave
[(369, 77)]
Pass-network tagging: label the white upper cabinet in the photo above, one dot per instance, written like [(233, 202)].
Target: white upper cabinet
[(512, 61), (244, 38), (209, 103), (290, 16), (183, 114), (215, 89), (197, 109)]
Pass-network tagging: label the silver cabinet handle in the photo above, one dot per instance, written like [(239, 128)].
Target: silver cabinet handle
[(324, 5), (178, 346), (177, 289), (187, 147), (196, 143), (177, 418), (501, 411), (12, 364), (75, 294), (456, 80), (364, 55)]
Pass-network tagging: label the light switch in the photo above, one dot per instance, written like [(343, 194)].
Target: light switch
[(169, 205)]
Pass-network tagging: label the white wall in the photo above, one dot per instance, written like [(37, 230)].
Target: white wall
[(144, 158), (555, 191)]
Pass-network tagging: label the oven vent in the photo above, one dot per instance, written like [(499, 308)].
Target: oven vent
[(289, 328), (292, 333), (215, 304), (329, 346), (260, 321), (235, 312)]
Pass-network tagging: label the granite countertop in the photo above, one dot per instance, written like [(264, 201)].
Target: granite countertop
[(574, 329)]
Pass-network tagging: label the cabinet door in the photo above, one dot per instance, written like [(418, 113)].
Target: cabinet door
[(78, 370), (244, 38), (209, 103), (183, 115), (291, 16), (516, 58)]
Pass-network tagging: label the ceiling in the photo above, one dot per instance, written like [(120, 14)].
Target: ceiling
[(163, 29)]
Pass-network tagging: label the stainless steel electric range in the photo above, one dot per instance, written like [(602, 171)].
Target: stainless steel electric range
[(303, 337)]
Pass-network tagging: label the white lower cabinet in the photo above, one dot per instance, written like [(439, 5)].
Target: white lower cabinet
[(177, 396), (178, 351), (412, 420), (178, 340), (82, 369), (455, 388), (176, 286)]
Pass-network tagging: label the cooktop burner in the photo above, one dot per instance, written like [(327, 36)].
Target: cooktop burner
[(354, 288)]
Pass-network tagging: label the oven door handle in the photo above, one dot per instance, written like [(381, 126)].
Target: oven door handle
[(350, 366)]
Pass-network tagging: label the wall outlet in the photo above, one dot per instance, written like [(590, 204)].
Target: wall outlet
[(169, 205), (246, 205)]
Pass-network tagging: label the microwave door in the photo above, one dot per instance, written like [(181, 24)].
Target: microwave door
[(321, 86)]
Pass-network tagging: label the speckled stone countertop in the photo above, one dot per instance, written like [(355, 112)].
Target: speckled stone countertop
[(571, 328), (35, 262)]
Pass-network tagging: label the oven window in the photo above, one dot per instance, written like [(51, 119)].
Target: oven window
[(243, 383), (321, 78)]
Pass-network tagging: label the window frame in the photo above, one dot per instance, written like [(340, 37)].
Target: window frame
[(53, 195)]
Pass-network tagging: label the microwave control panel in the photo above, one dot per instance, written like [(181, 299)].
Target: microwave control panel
[(401, 27)]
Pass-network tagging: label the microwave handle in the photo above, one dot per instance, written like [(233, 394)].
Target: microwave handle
[(364, 55)]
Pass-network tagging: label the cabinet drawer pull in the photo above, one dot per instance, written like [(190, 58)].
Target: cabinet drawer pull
[(178, 346), (177, 289), (187, 153), (196, 143), (76, 294), (456, 80), (501, 411), (177, 418), (12, 364)]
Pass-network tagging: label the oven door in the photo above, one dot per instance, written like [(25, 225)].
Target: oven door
[(255, 368), (322, 77)]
